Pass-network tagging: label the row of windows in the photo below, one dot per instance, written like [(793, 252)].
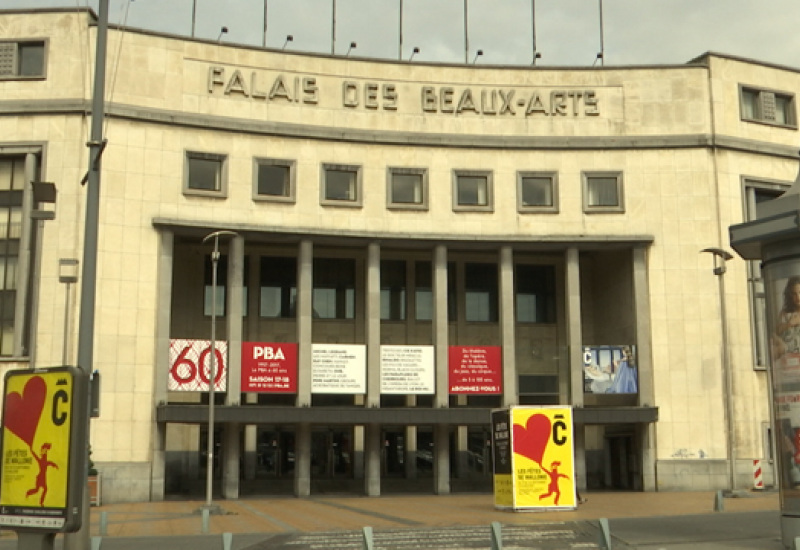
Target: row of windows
[(407, 188), (405, 285)]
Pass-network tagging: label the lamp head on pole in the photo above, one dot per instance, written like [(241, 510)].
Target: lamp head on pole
[(353, 45), (477, 55), (414, 52), (720, 257)]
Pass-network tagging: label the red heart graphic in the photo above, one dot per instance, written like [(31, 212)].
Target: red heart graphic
[(22, 412), (531, 440)]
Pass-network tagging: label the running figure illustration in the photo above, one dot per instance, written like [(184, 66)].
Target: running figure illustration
[(41, 477), (555, 475)]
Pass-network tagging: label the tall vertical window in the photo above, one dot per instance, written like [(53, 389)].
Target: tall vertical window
[(205, 174), (407, 188), (12, 181), (222, 286), (341, 185), (274, 180), (423, 291), (220, 309), (767, 106), (602, 192), (393, 290), (535, 293), (278, 277), (537, 192), (472, 190), (22, 59), (755, 193), (334, 295), (481, 294)]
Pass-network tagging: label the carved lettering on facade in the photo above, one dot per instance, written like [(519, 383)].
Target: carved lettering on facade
[(290, 89), (375, 96)]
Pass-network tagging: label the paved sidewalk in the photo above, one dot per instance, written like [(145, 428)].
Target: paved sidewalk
[(687, 519), (336, 513)]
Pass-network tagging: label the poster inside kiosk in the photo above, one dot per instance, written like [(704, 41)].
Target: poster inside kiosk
[(534, 467), (43, 449)]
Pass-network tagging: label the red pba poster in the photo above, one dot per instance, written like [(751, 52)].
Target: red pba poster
[(269, 367)]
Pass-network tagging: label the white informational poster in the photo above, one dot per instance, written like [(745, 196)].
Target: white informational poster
[(338, 368), (407, 370), (190, 365)]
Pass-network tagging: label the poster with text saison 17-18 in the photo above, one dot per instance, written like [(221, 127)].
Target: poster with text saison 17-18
[(543, 458)]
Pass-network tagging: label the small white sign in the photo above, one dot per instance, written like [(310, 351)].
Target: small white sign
[(338, 368), (407, 370)]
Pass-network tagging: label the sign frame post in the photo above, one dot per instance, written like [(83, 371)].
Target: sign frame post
[(44, 409)]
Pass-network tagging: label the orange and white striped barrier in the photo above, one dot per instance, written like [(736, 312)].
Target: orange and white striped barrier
[(758, 477)]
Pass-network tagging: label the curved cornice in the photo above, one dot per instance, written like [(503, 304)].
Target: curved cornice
[(388, 137)]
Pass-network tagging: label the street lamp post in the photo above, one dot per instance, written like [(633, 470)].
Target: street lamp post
[(212, 368), (720, 257), (67, 274)]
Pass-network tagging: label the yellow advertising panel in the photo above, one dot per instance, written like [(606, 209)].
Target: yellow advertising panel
[(543, 458), (38, 411)]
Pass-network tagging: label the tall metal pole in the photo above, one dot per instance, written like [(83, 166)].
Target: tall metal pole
[(720, 257), (264, 39), (333, 30), (533, 29), (80, 539), (602, 40), (400, 35), (194, 13), (466, 33), (212, 369)]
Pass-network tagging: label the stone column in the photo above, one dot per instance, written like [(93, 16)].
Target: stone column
[(574, 332), (644, 362), (372, 460), (230, 461), (305, 286), (441, 459), (163, 311), (302, 460), (507, 326), (373, 325)]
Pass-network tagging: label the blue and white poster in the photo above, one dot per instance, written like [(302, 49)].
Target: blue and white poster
[(610, 369)]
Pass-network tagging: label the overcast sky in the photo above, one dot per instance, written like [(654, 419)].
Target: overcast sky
[(567, 32)]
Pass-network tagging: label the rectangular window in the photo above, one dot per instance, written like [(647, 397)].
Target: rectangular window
[(206, 174), (481, 294), (12, 181), (535, 297), (757, 192), (423, 291), (278, 285), (220, 310), (341, 185), (472, 190), (537, 192), (274, 180), (334, 295), (23, 59), (767, 106), (393, 290), (407, 188), (602, 192)]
